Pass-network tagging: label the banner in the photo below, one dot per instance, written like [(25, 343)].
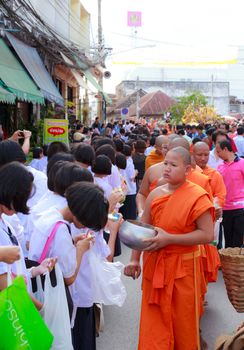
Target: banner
[(55, 130)]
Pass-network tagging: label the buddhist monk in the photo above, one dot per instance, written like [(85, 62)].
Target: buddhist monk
[(181, 213), (201, 156), (157, 155)]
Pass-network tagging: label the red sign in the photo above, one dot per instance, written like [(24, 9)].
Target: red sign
[(55, 131)]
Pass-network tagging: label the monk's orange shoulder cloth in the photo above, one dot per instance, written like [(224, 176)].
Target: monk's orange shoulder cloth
[(177, 213), (153, 158)]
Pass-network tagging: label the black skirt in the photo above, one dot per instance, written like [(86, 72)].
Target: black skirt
[(84, 331)]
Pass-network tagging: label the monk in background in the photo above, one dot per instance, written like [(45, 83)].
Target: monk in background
[(182, 214), (153, 176), (201, 156), (158, 154)]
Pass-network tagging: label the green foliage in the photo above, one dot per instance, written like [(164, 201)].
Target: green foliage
[(178, 109)]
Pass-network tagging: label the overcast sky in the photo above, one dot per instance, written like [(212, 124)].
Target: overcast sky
[(177, 30)]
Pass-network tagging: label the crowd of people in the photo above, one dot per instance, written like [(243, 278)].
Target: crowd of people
[(69, 201)]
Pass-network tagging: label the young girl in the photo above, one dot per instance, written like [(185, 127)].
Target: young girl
[(15, 188)]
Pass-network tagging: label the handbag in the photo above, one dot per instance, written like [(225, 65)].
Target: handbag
[(22, 325)]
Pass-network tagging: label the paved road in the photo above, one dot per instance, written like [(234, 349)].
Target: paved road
[(121, 324)]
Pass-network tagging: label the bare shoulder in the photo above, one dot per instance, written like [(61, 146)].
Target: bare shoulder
[(159, 192)]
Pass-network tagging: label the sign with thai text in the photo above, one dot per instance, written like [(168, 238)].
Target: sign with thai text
[(55, 130)]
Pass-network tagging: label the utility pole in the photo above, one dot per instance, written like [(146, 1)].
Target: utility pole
[(212, 90), (100, 49), (137, 98)]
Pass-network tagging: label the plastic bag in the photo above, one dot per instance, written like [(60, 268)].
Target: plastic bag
[(107, 287), (55, 310), (22, 325)]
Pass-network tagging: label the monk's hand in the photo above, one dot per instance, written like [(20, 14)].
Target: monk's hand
[(161, 240), (133, 269)]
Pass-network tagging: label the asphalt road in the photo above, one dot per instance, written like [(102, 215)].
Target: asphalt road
[(121, 324)]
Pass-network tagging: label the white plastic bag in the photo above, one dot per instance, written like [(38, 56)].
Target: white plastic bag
[(107, 287), (55, 310)]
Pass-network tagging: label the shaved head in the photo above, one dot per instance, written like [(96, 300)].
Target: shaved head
[(160, 140), (172, 137), (179, 142), (200, 146), (201, 154), (183, 153)]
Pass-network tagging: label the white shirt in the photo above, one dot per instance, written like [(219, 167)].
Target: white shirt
[(6, 241), (103, 183), (239, 141), (61, 246), (213, 161), (39, 188), (114, 179), (148, 150), (81, 289), (128, 174)]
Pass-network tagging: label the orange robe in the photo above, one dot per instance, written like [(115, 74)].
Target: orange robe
[(153, 158), (171, 286), (217, 184)]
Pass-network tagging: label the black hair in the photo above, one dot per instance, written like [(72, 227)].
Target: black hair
[(210, 131), (45, 148), (102, 165), (152, 141), (103, 141), (52, 173), (140, 146), (59, 156), (195, 140), (164, 132), (15, 186), (87, 203), (121, 161), (108, 151), (67, 174), (84, 154), (199, 127), (240, 130), (127, 150), (217, 133), (11, 151), (226, 144), (37, 151), (181, 132), (119, 145), (56, 147)]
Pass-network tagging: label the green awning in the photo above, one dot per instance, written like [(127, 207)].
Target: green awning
[(15, 79), (6, 96), (92, 80)]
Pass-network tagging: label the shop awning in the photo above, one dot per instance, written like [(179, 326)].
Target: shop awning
[(92, 80), (75, 73), (34, 65), (6, 96), (15, 79)]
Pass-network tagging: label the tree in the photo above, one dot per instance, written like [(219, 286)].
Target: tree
[(195, 98), (200, 114)]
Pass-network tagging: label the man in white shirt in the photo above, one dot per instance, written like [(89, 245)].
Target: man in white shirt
[(239, 141)]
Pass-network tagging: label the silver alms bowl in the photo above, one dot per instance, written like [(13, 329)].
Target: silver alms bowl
[(133, 232)]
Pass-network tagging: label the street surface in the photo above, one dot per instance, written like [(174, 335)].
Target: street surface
[(121, 324)]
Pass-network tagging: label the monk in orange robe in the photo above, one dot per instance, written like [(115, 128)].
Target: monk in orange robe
[(201, 156), (182, 214), (157, 155)]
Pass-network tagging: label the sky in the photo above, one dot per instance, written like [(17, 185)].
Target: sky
[(172, 32)]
